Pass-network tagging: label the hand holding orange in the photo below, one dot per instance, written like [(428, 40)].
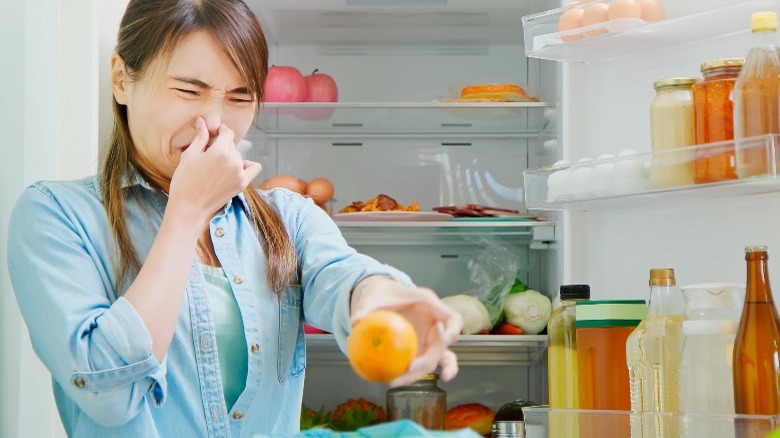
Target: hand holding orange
[(381, 346)]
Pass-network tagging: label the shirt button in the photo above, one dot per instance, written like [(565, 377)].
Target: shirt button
[(238, 279), (79, 382), (238, 415), (254, 348), (219, 232)]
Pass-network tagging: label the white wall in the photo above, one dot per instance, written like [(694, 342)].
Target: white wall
[(49, 116)]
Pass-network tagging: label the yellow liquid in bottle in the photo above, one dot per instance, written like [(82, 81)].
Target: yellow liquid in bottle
[(661, 356), (634, 362), (562, 370)]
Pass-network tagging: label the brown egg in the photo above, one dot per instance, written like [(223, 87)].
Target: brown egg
[(571, 19), (595, 13), (321, 190), (286, 181), (624, 9), (652, 10)]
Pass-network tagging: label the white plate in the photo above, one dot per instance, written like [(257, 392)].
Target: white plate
[(395, 216)]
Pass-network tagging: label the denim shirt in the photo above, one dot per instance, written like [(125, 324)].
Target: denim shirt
[(106, 380)]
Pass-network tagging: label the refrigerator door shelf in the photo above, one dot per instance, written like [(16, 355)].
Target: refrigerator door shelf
[(540, 420), (403, 119), (472, 350), (631, 180), (629, 36)]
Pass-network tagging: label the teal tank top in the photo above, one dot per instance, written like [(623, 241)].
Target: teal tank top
[(229, 327)]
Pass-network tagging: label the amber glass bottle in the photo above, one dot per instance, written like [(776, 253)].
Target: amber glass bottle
[(757, 347)]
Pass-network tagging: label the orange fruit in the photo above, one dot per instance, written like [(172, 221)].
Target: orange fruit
[(381, 346)]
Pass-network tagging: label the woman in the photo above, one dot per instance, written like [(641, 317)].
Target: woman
[(166, 295)]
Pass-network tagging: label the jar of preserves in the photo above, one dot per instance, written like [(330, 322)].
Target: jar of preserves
[(422, 402), (671, 128), (713, 102)]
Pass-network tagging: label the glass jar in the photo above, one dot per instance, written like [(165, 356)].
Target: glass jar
[(422, 402), (672, 127), (713, 102)]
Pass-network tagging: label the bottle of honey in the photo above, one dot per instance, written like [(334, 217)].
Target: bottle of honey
[(757, 98), (757, 346)]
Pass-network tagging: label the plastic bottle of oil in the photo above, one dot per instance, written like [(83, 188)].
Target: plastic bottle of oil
[(660, 340), (757, 98), (562, 358), (757, 347)]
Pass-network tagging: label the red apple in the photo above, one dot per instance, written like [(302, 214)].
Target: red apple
[(284, 84), (320, 88)]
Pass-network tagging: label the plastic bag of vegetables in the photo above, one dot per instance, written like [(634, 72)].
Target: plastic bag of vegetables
[(492, 272)]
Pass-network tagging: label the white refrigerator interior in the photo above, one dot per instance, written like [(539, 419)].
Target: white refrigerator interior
[(393, 132)]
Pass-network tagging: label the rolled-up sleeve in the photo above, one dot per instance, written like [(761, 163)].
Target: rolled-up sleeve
[(97, 349), (330, 269)]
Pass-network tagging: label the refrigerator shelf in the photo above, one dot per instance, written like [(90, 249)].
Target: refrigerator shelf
[(472, 350), (403, 119), (541, 420), (628, 180), (450, 233), (627, 36)]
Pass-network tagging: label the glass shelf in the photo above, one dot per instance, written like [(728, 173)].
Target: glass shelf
[(634, 179), (403, 119), (628, 36), (472, 350), (544, 422), (455, 232)]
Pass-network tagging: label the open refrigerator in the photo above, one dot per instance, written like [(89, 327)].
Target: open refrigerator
[(396, 131)]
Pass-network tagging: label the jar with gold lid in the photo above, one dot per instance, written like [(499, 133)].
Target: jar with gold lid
[(672, 128), (713, 102), (422, 402)]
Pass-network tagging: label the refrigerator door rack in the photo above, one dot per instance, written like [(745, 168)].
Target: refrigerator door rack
[(628, 36), (626, 181), (592, 423)]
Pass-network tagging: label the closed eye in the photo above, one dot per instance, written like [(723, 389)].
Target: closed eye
[(192, 93)]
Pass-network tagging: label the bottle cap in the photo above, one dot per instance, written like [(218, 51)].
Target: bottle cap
[(661, 83), (763, 21), (759, 248), (728, 62), (575, 292), (662, 277), (430, 377)]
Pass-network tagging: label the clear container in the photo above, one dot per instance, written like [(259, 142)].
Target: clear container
[(660, 340), (713, 101), (602, 373), (756, 97), (422, 402), (672, 126), (711, 318), (562, 355)]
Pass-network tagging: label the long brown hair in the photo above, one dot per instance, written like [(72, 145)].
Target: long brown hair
[(150, 29)]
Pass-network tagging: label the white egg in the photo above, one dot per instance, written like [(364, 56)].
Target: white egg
[(580, 179), (561, 163), (626, 171), (601, 179), (604, 157), (558, 185), (627, 152)]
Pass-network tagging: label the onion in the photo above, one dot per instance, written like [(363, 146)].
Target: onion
[(528, 310)]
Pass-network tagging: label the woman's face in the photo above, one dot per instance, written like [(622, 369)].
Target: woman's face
[(163, 105)]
